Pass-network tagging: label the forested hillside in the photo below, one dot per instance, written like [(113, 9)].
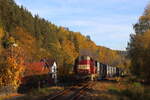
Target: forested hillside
[(28, 38)]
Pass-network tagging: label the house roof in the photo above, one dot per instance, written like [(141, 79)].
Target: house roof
[(35, 68), (48, 62)]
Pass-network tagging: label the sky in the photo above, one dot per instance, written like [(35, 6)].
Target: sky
[(108, 22)]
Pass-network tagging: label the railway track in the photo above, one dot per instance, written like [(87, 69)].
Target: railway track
[(80, 92), (72, 93)]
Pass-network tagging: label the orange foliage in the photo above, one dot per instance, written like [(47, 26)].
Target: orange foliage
[(27, 42), (69, 52), (12, 69)]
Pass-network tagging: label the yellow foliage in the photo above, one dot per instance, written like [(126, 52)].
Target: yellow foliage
[(1, 33), (28, 43), (12, 69), (1, 36), (145, 18), (69, 52)]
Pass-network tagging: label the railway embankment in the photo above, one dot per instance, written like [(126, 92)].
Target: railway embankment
[(98, 90)]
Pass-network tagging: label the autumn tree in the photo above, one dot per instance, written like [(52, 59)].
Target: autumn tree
[(69, 56), (139, 47), (65, 54), (12, 68)]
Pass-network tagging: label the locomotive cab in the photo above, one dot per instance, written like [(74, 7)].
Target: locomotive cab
[(85, 67)]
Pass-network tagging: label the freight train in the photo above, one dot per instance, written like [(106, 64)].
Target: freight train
[(86, 67)]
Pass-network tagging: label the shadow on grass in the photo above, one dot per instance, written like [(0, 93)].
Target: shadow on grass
[(108, 81)]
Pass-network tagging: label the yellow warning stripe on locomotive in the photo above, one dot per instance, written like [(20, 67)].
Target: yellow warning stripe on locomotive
[(83, 66)]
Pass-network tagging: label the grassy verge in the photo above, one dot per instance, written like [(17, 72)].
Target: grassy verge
[(133, 91), (35, 94)]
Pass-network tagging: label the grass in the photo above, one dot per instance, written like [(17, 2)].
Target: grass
[(1, 99), (136, 91), (44, 91), (7, 96), (133, 91), (113, 89), (35, 94)]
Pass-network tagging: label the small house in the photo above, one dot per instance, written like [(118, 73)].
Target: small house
[(40, 73), (52, 65)]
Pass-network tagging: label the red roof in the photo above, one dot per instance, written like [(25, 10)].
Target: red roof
[(35, 68)]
